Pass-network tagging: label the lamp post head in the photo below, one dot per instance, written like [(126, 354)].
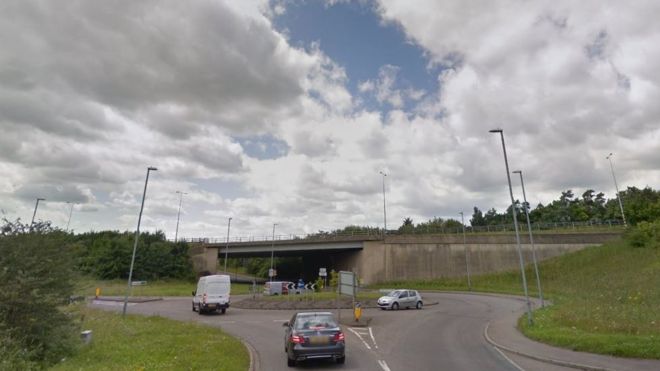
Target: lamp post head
[(517, 172), (495, 131), (41, 199), (382, 173), (608, 156), (461, 213), (150, 168)]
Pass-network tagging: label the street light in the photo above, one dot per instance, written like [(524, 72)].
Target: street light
[(272, 254), (515, 224), (467, 254), (384, 208), (178, 214), (36, 206), (618, 195), (531, 238), (70, 212), (227, 247), (137, 234)]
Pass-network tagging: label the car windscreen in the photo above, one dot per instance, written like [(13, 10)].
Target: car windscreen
[(315, 322), (394, 294)]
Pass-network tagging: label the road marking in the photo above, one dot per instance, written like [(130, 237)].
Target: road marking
[(383, 365), (371, 333), (280, 320), (360, 337), (509, 359)]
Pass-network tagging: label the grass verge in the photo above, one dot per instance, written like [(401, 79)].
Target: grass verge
[(154, 343), (606, 299), (87, 287)]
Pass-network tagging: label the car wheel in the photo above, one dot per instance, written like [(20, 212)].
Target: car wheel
[(223, 310), (290, 362), (193, 305), (200, 311), (341, 360), (395, 306), (419, 305), (382, 308)]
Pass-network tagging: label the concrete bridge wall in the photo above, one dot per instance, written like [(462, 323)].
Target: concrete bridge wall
[(423, 257), (429, 257)]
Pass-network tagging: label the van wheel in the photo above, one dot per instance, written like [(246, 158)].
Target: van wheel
[(419, 305), (395, 306), (341, 360), (223, 310)]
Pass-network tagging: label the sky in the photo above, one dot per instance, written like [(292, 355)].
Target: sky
[(286, 111)]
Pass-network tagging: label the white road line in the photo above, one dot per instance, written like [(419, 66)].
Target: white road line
[(371, 333), (280, 320), (509, 359), (360, 337), (383, 365)]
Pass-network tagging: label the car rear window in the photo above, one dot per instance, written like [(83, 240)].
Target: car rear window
[(315, 322)]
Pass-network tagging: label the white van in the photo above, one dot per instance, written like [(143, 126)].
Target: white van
[(212, 294)]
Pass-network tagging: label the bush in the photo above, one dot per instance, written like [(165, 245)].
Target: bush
[(36, 282), (645, 234)]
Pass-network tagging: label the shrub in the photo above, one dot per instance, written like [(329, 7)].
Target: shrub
[(645, 234), (36, 282)]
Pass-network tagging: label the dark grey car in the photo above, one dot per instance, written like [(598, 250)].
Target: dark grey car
[(313, 335)]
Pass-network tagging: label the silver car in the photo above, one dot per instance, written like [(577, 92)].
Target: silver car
[(401, 299)]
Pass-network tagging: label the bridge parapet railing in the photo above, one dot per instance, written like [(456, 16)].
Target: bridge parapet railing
[(378, 233)]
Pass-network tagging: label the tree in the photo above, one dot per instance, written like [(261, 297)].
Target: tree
[(477, 218)]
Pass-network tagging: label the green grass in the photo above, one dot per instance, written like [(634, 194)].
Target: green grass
[(606, 299), (87, 287), (154, 343)]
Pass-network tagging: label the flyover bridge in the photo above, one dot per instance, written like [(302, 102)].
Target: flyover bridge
[(378, 258)]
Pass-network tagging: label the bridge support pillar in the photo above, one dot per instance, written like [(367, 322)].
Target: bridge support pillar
[(204, 258)]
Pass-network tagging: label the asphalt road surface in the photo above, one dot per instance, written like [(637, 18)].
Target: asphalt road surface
[(445, 336)]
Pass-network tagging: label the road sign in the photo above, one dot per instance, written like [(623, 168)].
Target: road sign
[(322, 272), (272, 272)]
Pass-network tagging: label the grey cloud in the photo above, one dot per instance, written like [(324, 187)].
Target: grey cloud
[(133, 56), (55, 193)]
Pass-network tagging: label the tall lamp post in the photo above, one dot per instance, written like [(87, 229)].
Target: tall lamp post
[(467, 254), (272, 254), (70, 213), (616, 186), (137, 235), (515, 224), (227, 247), (531, 239), (384, 207), (36, 206), (178, 215)]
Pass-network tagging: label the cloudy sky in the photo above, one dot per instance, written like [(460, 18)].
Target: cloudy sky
[(285, 111)]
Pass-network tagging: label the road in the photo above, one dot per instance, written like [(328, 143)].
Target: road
[(445, 336)]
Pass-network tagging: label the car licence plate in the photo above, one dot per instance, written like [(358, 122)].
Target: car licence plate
[(318, 340), (210, 305)]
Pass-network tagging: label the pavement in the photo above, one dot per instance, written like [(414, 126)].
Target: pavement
[(503, 334)]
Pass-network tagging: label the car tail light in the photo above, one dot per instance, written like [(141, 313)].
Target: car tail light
[(204, 299), (339, 337), (297, 339)]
